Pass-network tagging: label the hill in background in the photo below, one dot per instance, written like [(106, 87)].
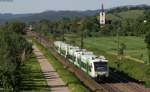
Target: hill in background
[(48, 15), (124, 11)]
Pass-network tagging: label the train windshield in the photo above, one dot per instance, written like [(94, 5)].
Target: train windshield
[(100, 66)]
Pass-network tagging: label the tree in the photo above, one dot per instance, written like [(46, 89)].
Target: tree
[(17, 27), (44, 26), (64, 27), (121, 50), (12, 45), (84, 25)]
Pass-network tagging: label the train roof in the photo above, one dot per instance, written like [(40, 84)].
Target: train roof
[(102, 57), (99, 60), (94, 58), (88, 56), (73, 47), (83, 52), (87, 53)]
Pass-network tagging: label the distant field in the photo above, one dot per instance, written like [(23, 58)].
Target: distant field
[(132, 14), (135, 46)]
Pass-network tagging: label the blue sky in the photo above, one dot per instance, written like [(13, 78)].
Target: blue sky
[(32, 6)]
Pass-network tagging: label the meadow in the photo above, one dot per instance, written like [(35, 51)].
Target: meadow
[(135, 46)]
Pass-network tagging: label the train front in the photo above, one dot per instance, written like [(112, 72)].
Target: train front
[(101, 68)]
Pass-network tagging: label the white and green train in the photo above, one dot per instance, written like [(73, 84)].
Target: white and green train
[(94, 66)]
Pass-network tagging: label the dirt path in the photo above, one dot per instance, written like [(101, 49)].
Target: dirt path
[(54, 81)]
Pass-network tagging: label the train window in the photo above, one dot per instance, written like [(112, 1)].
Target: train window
[(100, 66), (83, 65)]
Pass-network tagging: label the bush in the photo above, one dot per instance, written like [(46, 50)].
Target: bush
[(12, 49)]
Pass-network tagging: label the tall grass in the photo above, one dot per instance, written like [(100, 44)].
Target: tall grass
[(33, 78)]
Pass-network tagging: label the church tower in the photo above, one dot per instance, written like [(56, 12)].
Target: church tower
[(102, 16)]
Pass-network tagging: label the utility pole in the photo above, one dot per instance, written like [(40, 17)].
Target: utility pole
[(82, 39), (81, 28), (118, 34), (118, 39)]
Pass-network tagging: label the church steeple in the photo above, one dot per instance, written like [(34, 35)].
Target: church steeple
[(102, 9), (102, 15)]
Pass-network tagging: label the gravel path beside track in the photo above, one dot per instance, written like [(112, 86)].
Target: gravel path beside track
[(53, 80)]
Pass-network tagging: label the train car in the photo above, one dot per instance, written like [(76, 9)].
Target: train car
[(61, 48), (96, 67), (93, 65), (71, 52), (77, 55)]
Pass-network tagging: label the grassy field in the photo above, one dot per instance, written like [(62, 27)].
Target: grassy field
[(135, 46), (69, 78), (33, 79)]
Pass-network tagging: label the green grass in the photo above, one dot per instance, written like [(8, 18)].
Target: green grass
[(69, 78), (135, 46), (33, 79)]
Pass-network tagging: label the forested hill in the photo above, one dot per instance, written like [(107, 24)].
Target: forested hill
[(49, 15), (57, 15)]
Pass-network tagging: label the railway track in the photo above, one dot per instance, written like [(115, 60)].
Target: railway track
[(129, 84), (104, 86)]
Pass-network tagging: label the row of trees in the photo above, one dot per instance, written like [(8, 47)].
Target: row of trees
[(13, 50), (127, 8), (67, 25), (129, 27)]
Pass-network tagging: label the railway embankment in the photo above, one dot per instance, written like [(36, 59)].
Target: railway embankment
[(74, 84)]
